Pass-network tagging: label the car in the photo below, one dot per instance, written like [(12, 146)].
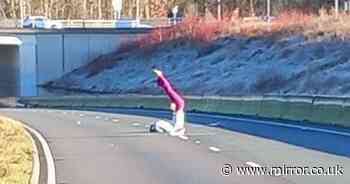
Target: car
[(41, 22)]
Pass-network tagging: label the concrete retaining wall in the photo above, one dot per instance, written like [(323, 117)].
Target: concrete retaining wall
[(28, 66), (327, 110), (47, 55)]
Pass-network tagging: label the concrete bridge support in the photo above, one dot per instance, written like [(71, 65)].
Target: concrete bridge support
[(32, 58)]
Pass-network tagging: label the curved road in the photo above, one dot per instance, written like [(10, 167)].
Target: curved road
[(95, 147)]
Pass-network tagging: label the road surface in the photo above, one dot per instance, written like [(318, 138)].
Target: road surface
[(95, 147)]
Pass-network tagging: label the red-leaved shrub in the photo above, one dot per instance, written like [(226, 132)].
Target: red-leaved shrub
[(205, 30)]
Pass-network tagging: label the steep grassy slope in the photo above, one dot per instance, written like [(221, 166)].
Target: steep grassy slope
[(226, 66)]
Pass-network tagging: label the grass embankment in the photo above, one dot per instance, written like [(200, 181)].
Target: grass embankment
[(16, 153)]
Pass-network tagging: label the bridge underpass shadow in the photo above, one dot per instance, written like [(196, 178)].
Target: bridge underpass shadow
[(9, 70)]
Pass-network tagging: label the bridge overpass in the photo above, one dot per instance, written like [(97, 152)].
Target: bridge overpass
[(29, 58)]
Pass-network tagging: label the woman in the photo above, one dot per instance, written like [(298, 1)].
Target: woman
[(177, 105)]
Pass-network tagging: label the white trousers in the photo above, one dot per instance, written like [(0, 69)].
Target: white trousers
[(176, 128)]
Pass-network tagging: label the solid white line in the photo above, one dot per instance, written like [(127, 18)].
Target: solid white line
[(36, 161), (215, 149), (278, 124), (51, 173), (252, 164)]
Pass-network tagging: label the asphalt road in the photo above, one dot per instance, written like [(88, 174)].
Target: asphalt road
[(94, 147)]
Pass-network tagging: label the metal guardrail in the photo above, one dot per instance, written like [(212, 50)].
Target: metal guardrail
[(320, 109), (81, 23), (85, 23), (9, 23)]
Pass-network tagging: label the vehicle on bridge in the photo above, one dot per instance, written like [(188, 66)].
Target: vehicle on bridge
[(41, 22)]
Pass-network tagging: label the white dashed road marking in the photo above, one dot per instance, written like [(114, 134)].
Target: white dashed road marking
[(51, 176), (215, 149)]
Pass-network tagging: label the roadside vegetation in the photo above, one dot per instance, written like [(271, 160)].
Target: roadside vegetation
[(288, 23), (297, 53), (15, 153)]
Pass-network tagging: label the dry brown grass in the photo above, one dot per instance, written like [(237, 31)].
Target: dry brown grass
[(288, 23), (311, 25), (16, 153)]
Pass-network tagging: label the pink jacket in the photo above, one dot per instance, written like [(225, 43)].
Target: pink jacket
[(173, 95)]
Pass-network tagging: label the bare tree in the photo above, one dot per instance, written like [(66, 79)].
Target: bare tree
[(252, 7), (85, 9), (2, 10), (101, 9), (99, 5)]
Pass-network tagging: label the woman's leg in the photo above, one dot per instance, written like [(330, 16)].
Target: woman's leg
[(164, 126), (179, 127)]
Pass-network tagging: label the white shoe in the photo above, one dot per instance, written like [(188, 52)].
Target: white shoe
[(152, 128)]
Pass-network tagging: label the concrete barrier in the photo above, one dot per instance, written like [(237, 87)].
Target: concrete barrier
[(32, 57), (227, 105), (319, 109), (327, 110), (250, 105), (272, 107), (345, 117), (298, 108)]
